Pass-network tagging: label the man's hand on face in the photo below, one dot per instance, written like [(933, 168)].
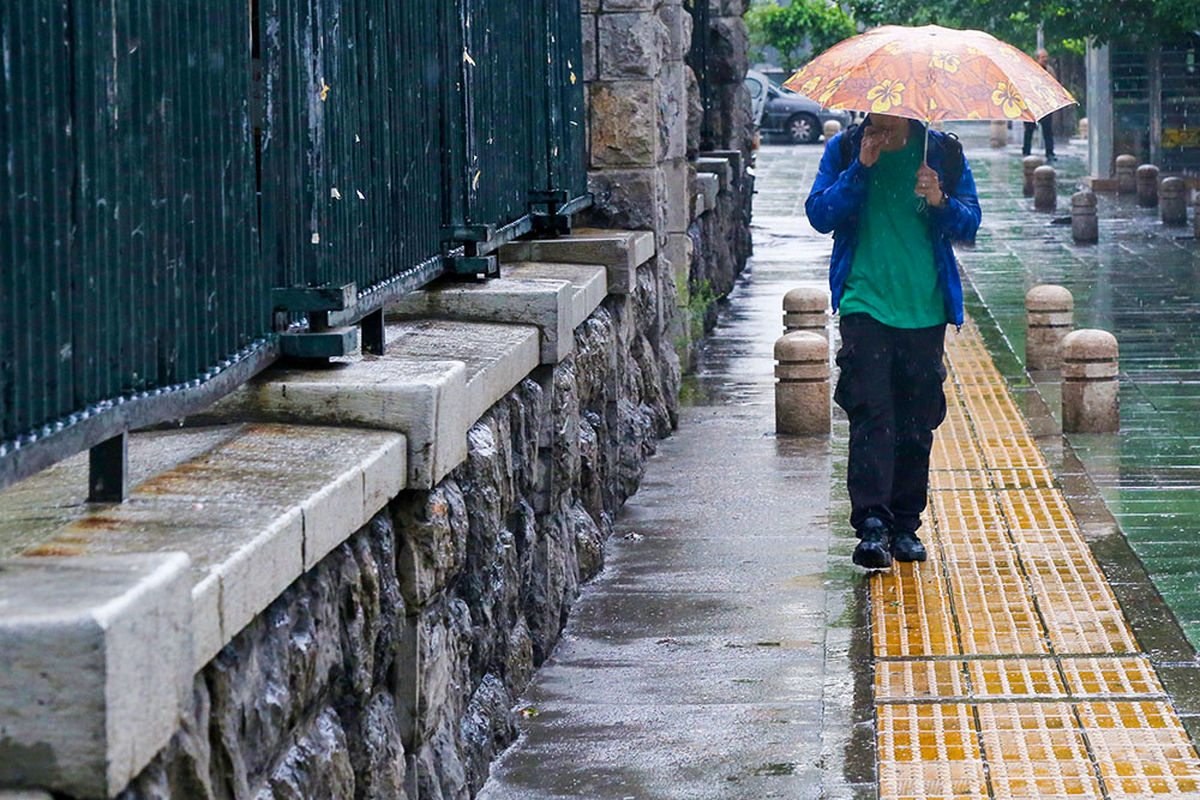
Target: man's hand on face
[(874, 139), (928, 186)]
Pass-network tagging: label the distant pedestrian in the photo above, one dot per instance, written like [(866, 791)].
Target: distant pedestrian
[(894, 281), (1043, 59)]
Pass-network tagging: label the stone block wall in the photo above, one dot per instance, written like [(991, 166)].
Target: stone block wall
[(391, 669), (645, 115)]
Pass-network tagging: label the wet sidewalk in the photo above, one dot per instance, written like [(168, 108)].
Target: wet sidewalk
[(730, 650)]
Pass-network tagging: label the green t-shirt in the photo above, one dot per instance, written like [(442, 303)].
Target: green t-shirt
[(893, 277)]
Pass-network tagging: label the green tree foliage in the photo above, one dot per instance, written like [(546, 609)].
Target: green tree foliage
[(798, 30), (1016, 21)]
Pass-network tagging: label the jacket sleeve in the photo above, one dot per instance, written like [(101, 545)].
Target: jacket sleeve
[(959, 219), (836, 194)]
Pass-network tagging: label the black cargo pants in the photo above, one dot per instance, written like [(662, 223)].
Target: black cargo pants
[(891, 389)]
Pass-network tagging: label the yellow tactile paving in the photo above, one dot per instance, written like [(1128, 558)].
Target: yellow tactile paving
[(929, 751), (1110, 676), (1035, 750), (1018, 677), (1142, 749), (918, 680), (911, 614), (1004, 665)]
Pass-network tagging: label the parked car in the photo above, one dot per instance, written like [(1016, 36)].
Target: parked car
[(782, 111)]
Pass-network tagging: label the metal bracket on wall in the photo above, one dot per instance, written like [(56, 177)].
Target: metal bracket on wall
[(108, 470), (476, 241), (319, 341), (556, 220)]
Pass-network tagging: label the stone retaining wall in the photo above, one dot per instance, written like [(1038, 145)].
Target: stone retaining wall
[(390, 670)]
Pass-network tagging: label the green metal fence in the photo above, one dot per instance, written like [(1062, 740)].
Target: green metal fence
[(167, 165)]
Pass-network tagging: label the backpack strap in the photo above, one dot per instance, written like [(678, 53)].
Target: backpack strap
[(846, 145), (952, 164)]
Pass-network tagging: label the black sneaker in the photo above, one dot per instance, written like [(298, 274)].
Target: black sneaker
[(872, 551), (906, 546)]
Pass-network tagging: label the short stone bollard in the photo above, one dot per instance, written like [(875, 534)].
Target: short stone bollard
[(802, 392), (1090, 403), (1147, 185), (1083, 127), (805, 308), (1049, 317), (1172, 201), (1085, 227), (1030, 163), (831, 128), (998, 135), (1045, 189), (1126, 175)]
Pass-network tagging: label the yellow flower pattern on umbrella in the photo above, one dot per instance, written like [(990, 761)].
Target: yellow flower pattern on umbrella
[(827, 94), (945, 60), (1006, 97), (810, 85), (885, 95)]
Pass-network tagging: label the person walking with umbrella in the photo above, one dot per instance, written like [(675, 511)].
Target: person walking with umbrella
[(893, 209), (895, 195)]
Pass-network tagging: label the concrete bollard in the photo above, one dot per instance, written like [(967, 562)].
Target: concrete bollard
[(1147, 185), (1173, 201), (802, 392), (1030, 163), (1083, 127), (1045, 189), (1049, 317), (998, 135), (1085, 227), (1196, 217), (1090, 403), (831, 128), (1126, 176), (805, 308)]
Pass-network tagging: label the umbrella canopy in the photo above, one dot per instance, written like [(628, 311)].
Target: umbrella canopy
[(930, 73)]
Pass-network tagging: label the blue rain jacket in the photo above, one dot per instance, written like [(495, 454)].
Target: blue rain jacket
[(837, 194)]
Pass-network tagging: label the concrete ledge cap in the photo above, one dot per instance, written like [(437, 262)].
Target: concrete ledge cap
[(95, 664), (497, 357), (717, 166), (533, 301), (708, 186), (1048, 297), (1089, 344), (252, 514), (422, 398), (620, 252), (590, 282)]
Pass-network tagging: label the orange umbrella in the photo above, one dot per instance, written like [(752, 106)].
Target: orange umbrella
[(930, 73)]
